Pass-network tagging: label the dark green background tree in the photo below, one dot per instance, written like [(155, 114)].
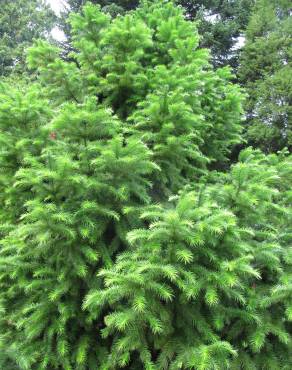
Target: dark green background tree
[(221, 22), (266, 73), (20, 23)]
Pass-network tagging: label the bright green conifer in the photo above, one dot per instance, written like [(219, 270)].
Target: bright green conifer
[(99, 268)]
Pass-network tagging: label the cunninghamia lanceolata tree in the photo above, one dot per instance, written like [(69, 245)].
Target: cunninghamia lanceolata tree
[(23, 111), (72, 225), (99, 268), (208, 284)]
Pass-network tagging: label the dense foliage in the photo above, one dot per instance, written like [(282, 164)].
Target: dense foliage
[(128, 239), (220, 23), (220, 297), (20, 22), (266, 72)]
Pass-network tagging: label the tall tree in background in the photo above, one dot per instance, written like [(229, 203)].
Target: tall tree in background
[(20, 22), (76, 5), (220, 22), (266, 72)]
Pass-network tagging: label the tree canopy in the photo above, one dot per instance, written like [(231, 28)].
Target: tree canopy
[(220, 23), (266, 72), (20, 23)]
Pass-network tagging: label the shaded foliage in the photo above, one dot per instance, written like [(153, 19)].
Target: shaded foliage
[(266, 73), (20, 23)]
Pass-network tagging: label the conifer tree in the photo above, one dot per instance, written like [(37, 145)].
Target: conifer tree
[(23, 111), (222, 296), (220, 22), (100, 269), (265, 71)]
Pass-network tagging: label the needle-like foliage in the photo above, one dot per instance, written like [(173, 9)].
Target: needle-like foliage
[(121, 245), (208, 284)]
